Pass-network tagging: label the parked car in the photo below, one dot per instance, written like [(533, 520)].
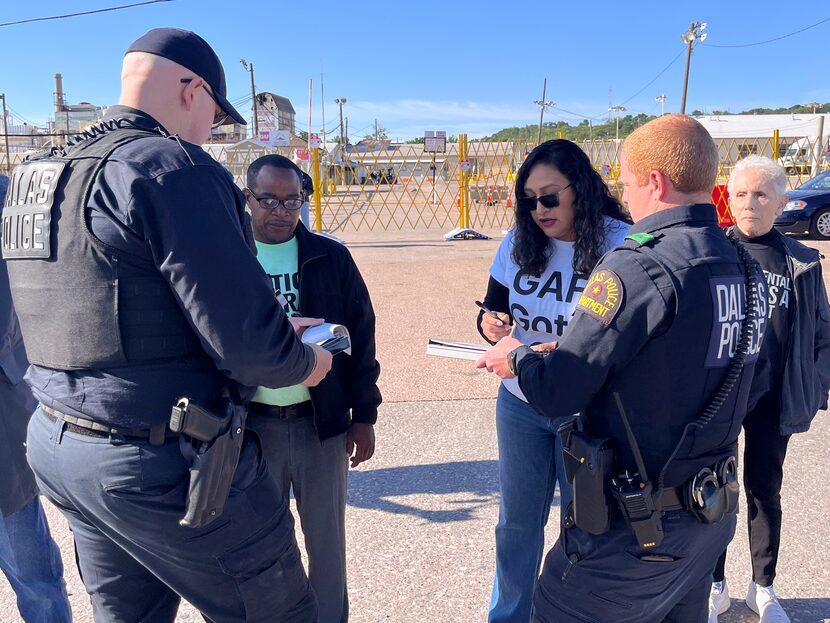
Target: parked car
[(808, 209)]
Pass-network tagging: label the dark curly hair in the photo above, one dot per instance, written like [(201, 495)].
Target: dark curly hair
[(592, 203)]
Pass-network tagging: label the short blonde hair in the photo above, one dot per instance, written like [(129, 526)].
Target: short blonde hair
[(678, 147)]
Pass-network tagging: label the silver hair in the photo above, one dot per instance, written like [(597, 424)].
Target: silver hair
[(769, 168)]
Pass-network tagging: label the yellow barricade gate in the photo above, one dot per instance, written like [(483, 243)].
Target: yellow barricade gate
[(378, 185)]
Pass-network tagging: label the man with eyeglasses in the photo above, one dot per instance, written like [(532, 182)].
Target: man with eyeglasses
[(136, 285), (309, 433)]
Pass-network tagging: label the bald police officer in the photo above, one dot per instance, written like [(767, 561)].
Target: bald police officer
[(659, 335), (135, 285)]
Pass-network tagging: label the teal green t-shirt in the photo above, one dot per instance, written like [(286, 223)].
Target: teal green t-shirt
[(280, 262)]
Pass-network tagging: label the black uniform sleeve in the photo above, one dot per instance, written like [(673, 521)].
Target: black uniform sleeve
[(497, 299), (194, 231), (363, 393), (566, 381)]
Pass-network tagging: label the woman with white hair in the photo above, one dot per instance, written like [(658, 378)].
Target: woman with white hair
[(792, 374)]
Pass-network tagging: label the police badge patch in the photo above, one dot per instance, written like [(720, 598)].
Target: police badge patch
[(602, 296), (27, 212)]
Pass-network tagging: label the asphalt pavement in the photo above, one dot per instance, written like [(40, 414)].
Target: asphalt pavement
[(421, 513)]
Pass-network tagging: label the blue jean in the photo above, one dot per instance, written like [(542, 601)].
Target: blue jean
[(32, 563), (530, 465), (123, 499)]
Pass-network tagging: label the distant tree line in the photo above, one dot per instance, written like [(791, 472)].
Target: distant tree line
[(607, 129)]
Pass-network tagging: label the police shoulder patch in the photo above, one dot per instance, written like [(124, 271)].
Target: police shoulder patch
[(602, 295)]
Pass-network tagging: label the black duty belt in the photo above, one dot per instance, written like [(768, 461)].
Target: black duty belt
[(156, 435), (673, 499), (291, 412)]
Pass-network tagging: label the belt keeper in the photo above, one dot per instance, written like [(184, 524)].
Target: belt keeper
[(157, 435)]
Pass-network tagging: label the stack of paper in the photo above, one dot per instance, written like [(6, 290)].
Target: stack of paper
[(333, 337), (456, 350)]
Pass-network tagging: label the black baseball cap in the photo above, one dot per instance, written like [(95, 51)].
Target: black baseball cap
[(189, 50)]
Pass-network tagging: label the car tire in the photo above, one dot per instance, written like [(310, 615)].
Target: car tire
[(791, 171), (820, 224)]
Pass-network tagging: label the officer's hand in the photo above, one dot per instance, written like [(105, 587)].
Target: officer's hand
[(360, 442), (301, 323), (495, 328), (495, 359), (321, 366)]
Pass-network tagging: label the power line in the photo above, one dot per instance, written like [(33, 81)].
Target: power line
[(749, 45), (115, 8), (653, 80)]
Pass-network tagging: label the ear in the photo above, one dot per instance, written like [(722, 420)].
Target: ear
[(780, 208), (189, 93), (659, 184)]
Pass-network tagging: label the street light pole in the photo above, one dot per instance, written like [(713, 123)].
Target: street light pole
[(662, 99), (253, 97), (695, 33), (542, 104), (618, 110), (340, 101)]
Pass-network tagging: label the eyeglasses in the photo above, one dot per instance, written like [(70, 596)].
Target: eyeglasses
[(548, 201), (272, 203), (219, 115)]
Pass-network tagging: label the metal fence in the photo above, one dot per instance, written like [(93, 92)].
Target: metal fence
[(402, 187)]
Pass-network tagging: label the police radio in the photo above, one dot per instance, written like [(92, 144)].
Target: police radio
[(635, 494)]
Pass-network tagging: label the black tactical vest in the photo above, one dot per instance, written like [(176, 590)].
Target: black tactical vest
[(81, 303)]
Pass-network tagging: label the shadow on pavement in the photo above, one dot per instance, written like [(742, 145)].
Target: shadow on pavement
[(464, 487), (813, 610)]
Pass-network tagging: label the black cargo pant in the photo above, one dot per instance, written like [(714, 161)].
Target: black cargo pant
[(764, 451), (599, 579), (123, 500)]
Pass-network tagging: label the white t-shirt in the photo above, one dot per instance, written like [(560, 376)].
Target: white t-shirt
[(542, 306)]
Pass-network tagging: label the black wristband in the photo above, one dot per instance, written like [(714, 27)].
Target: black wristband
[(515, 356)]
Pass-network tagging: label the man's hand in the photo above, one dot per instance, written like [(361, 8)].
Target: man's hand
[(301, 323), (495, 328), (495, 359), (360, 442), (322, 365)]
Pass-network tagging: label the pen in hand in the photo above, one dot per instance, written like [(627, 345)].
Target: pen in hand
[(486, 310)]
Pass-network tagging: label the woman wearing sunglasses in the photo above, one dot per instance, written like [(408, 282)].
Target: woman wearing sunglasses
[(566, 219)]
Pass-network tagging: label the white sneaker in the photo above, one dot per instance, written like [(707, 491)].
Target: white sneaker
[(719, 601), (763, 602)]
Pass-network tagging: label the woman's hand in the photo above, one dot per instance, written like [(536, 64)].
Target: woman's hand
[(495, 328)]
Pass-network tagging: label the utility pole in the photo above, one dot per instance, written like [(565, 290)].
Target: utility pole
[(618, 110), (6, 133), (253, 97), (340, 101), (542, 104), (376, 130), (662, 99), (695, 33)]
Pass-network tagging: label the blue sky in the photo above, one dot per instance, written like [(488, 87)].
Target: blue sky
[(457, 66)]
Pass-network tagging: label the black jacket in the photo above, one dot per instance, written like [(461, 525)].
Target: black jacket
[(331, 288)]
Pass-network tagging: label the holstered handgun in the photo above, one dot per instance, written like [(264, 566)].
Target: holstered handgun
[(588, 467), (211, 442)]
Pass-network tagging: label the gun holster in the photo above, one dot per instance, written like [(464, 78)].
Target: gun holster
[(589, 463), (211, 442)]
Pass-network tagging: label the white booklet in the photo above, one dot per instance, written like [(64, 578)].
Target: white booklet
[(456, 350), (334, 338)]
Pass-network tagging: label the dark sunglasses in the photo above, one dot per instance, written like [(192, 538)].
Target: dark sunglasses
[(548, 201), (218, 117)]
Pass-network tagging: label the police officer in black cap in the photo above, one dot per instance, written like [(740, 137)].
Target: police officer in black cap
[(135, 285), (658, 362)]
